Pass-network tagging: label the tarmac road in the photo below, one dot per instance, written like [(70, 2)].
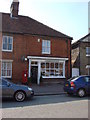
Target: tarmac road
[(54, 106)]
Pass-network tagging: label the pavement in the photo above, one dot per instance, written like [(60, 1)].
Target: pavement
[(48, 89)]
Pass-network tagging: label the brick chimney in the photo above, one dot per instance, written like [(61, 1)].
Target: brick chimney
[(14, 8)]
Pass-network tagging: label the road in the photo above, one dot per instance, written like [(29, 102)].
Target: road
[(57, 106)]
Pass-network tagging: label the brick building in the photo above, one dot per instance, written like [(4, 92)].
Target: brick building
[(26, 44), (81, 55)]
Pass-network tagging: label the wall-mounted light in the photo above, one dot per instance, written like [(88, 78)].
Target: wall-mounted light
[(38, 40), (25, 59)]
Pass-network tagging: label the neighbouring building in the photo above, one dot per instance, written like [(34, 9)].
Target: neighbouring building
[(89, 16), (81, 55), (28, 45)]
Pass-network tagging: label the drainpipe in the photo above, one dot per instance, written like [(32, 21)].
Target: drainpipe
[(39, 72), (67, 57), (79, 60), (29, 71), (70, 61)]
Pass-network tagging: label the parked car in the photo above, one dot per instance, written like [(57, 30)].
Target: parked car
[(78, 85), (18, 92)]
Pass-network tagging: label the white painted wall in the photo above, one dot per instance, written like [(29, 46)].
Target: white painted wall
[(75, 72)]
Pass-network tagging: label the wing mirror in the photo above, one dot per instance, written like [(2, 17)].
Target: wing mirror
[(8, 84)]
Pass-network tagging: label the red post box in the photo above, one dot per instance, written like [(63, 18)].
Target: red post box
[(25, 77)]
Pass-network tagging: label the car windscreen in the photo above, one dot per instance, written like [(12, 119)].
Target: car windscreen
[(73, 78), (7, 80)]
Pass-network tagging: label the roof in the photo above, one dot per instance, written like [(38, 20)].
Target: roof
[(86, 38), (27, 25)]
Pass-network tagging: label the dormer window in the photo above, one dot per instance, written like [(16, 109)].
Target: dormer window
[(7, 43)]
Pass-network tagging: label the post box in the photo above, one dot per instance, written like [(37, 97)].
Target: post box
[(25, 77)]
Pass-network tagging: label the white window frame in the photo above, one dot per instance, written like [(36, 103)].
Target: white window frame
[(6, 61), (52, 76), (7, 50), (87, 49), (45, 47)]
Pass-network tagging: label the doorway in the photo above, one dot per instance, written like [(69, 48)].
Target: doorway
[(34, 74)]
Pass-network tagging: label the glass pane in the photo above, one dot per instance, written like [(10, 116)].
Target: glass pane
[(56, 65), (3, 72), (52, 65), (10, 47), (47, 65), (5, 40), (47, 73), (9, 40), (42, 65), (52, 72), (43, 49), (8, 72), (5, 46), (45, 43), (48, 50), (61, 73), (8, 66), (61, 65), (42, 43), (4, 66), (48, 43), (87, 50), (43, 72)]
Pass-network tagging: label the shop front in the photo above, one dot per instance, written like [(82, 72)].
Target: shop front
[(48, 67)]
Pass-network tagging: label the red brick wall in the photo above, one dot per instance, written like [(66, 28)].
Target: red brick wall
[(24, 45)]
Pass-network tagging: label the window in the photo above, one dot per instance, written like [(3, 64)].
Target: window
[(52, 70), (7, 43), (87, 79), (7, 69), (46, 47), (87, 51)]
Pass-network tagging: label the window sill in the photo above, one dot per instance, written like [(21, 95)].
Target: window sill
[(6, 50), (6, 77), (54, 77), (88, 55), (45, 53)]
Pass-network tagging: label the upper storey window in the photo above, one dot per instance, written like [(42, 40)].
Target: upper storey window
[(87, 51), (7, 43), (46, 47)]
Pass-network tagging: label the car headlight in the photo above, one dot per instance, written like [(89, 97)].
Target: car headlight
[(30, 89)]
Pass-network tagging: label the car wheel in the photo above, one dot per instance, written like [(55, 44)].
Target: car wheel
[(81, 92), (20, 96)]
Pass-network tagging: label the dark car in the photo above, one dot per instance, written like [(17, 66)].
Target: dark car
[(18, 92), (78, 85)]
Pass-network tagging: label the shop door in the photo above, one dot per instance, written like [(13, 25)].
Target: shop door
[(34, 74)]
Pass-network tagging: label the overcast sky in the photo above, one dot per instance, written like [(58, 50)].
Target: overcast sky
[(68, 17)]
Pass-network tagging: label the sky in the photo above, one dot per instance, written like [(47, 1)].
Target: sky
[(66, 16)]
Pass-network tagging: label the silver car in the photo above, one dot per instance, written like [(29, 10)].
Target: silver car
[(18, 92)]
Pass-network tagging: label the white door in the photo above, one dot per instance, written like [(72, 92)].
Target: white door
[(75, 72)]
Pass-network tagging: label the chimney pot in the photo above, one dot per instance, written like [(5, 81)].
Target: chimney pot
[(15, 0)]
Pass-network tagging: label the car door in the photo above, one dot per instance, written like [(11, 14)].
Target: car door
[(87, 80), (89, 84), (6, 89)]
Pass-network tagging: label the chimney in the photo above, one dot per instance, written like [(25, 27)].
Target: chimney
[(14, 8)]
